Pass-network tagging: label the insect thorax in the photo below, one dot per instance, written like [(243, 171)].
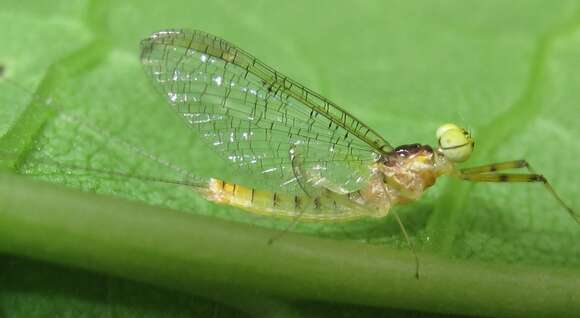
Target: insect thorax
[(408, 170)]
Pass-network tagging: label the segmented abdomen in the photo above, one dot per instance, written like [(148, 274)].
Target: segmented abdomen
[(327, 206)]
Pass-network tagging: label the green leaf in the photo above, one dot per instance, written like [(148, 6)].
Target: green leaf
[(507, 71)]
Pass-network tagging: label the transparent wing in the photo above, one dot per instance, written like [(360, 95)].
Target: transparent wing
[(254, 115)]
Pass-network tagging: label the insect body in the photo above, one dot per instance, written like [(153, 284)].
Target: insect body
[(400, 176), (313, 160)]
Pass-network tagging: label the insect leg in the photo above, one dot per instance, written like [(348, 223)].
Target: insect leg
[(288, 228), (309, 177), (519, 177), (300, 175), (409, 242), (515, 164), (387, 206)]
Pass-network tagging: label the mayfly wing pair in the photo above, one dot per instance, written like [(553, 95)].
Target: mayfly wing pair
[(256, 117), (304, 148)]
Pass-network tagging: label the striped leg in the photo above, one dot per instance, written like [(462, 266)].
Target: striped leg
[(516, 164), (485, 174)]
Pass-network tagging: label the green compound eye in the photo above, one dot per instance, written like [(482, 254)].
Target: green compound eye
[(454, 142)]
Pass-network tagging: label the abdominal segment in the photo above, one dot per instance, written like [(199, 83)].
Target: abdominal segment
[(327, 206)]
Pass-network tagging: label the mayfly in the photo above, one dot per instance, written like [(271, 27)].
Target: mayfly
[(324, 163)]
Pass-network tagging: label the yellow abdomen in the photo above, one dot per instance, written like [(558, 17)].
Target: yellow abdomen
[(328, 206)]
